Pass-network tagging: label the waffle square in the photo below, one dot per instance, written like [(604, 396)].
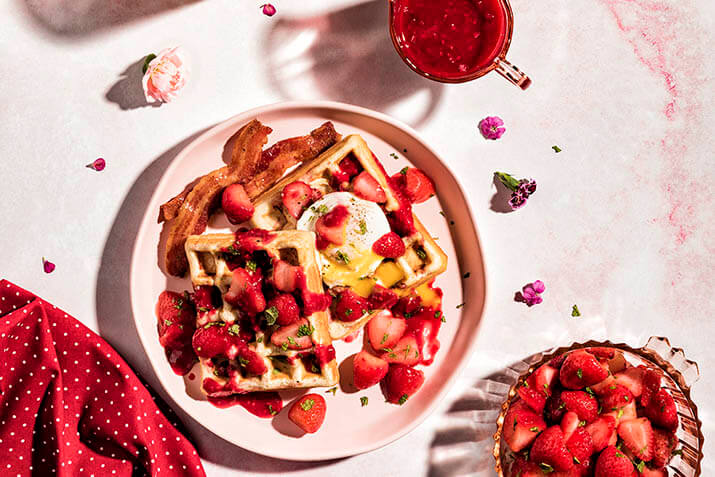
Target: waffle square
[(284, 367), (423, 259)]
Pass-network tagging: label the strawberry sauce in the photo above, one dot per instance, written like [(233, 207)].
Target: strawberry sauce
[(263, 404)]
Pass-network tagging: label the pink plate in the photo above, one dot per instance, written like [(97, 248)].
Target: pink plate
[(349, 429)]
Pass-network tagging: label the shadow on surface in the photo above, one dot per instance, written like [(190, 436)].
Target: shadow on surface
[(500, 200), (114, 317), (347, 56), (77, 18), (127, 92)]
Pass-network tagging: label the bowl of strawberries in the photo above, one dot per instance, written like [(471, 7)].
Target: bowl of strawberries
[(604, 410)]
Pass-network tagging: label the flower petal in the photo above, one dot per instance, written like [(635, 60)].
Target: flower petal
[(98, 164), (47, 266)]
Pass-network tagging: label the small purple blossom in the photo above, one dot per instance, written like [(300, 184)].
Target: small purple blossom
[(98, 165), (48, 266), (491, 127), (520, 189), (268, 9), (530, 293)]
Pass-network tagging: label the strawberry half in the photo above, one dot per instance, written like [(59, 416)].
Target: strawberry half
[(347, 169), (366, 187), (382, 298), (542, 379), (401, 383), (406, 352), (661, 410), (637, 435), (389, 245), (580, 445), (330, 227), (368, 370), (175, 319), (295, 336), (616, 397), (245, 291), (217, 339), (603, 432), (296, 197), (536, 400), (287, 308), (549, 449), (384, 330), (524, 468), (521, 426), (418, 187), (631, 378), (582, 403), (651, 385), (236, 204), (349, 306), (581, 369), (285, 276), (569, 423), (251, 362), (663, 445), (613, 463), (308, 412)]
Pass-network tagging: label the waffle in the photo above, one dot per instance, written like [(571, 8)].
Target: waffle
[(423, 259), (284, 368)]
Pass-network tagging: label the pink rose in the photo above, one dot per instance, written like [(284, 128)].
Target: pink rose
[(165, 75)]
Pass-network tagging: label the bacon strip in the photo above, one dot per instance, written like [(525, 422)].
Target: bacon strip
[(256, 171)]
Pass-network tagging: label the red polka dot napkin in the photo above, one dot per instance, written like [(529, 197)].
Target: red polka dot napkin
[(71, 406)]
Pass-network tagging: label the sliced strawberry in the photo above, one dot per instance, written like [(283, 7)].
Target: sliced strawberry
[(631, 378), (536, 400), (308, 412), (245, 291), (406, 352), (581, 369), (389, 245), (349, 306), (382, 298), (408, 305), (664, 443), (330, 227), (569, 423), (251, 362), (602, 353), (661, 410), (651, 385), (613, 463), (582, 404), (549, 449), (366, 187), (543, 378), (296, 197), (285, 276), (217, 339), (176, 319), (384, 330), (616, 397), (418, 187), (602, 431), (623, 414), (580, 445), (295, 336), (603, 387), (286, 307), (236, 204), (348, 168), (524, 468), (521, 426), (203, 298), (401, 383), (368, 370), (637, 435)]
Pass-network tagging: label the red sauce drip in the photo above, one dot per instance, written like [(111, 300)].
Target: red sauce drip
[(263, 404), (425, 327), (324, 354), (181, 359), (449, 39)]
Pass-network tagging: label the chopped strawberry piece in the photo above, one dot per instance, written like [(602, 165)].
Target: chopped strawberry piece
[(613, 463), (401, 383), (308, 412), (581, 369), (625, 413), (236, 204), (349, 306), (176, 319), (330, 227), (616, 397), (604, 386), (543, 378), (203, 298), (648, 472), (602, 431), (536, 400), (389, 245), (580, 445), (631, 378), (549, 449), (569, 423), (582, 404), (368, 370), (314, 302), (217, 339), (384, 330), (418, 187), (348, 168), (661, 410), (637, 435), (287, 308), (382, 298), (296, 197), (523, 468), (408, 305), (404, 352), (245, 291), (521, 426), (602, 353), (664, 443), (285, 276), (651, 385), (294, 336), (251, 362), (366, 187)]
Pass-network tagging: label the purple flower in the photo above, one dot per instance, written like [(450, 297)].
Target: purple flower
[(517, 200), (520, 189), (98, 165), (530, 293), (491, 127), (527, 187), (268, 9), (48, 266)]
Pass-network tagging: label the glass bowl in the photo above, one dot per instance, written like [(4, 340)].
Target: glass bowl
[(679, 375)]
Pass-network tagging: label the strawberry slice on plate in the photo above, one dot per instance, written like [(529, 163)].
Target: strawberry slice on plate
[(366, 187), (580, 445), (401, 383), (382, 298), (236, 204), (330, 227), (616, 397), (542, 379), (245, 291), (569, 423), (296, 197), (521, 426), (405, 351), (637, 435), (175, 319), (664, 443), (384, 330), (308, 412), (368, 370), (251, 362), (536, 400)]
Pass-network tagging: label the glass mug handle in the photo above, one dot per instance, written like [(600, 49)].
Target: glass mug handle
[(512, 73)]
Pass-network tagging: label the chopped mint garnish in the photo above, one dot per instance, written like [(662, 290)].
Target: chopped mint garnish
[(363, 227), (234, 329), (421, 253), (304, 330), (579, 373), (363, 401), (251, 265), (214, 323), (403, 399), (534, 429), (460, 305), (271, 410), (271, 315), (340, 256), (242, 361), (394, 156), (403, 171), (179, 304), (546, 468), (466, 275), (556, 148), (574, 311), (291, 340), (203, 308), (384, 338), (168, 323), (333, 390), (307, 405)]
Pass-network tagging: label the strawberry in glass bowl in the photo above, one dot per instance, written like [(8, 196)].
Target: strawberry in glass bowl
[(604, 410)]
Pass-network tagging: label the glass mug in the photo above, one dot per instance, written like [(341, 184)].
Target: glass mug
[(453, 41)]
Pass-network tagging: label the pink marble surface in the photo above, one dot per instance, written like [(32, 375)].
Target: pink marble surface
[(622, 222)]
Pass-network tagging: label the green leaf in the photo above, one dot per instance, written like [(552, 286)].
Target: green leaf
[(147, 60), (640, 466), (508, 180), (363, 401), (403, 171), (333, 390), (556, 148), (574, 311)]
